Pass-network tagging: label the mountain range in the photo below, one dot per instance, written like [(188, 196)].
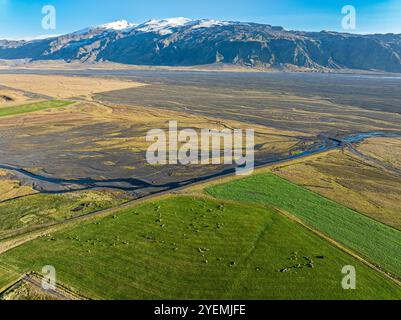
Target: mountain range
[(188, 42)]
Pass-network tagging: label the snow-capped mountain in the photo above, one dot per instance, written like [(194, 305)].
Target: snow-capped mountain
[(168, 26), (165, 26), (187, 42), (117, 25)]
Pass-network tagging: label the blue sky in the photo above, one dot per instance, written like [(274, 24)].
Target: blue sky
[(22, 18)]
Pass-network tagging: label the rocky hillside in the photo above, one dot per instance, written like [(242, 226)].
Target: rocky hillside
[(185, 42)]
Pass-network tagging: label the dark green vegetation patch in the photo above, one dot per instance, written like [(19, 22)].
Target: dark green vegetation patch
[(194, 248), (32, 107), (38, 209), (377, 242)]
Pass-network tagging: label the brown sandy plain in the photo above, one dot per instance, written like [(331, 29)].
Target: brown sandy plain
[(96, 140), (354, 181), (9, 97), (385, 150), (106, 140), (63, 87)]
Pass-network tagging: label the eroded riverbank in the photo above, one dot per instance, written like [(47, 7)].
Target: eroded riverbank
[(140, 187)]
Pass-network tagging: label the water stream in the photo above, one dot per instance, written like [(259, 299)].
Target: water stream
[(54, 185)]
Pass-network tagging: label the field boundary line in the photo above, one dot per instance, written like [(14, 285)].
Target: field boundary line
[(61, 292), (317, 194), (15, 240), (340, 246)]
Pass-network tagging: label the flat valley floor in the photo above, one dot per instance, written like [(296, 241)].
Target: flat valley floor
[(76, 191)]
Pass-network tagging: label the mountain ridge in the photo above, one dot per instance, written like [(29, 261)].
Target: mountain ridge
[(190, 42)]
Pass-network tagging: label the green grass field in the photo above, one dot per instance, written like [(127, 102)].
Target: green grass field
[(377, 242), (7, 277), (196, 248), (32, 107), (41, 208)]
